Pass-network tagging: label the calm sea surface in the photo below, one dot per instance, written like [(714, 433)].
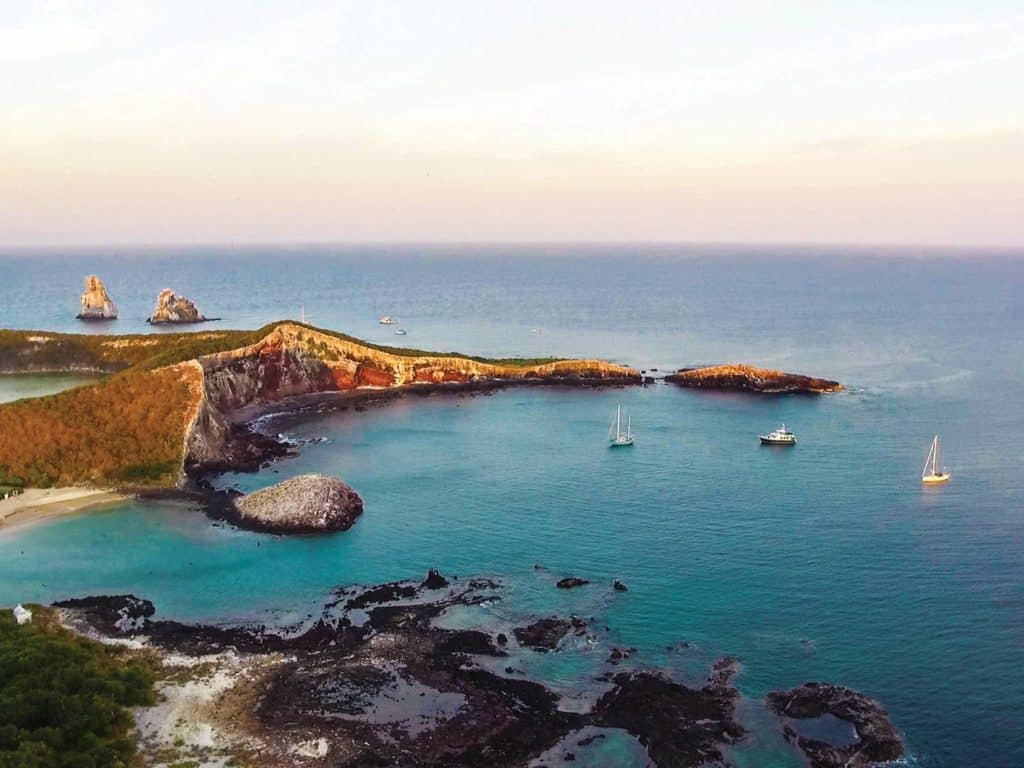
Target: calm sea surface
[(826, 561)]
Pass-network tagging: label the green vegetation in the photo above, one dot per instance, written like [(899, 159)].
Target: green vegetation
[(517, 362), (127, 429), (44, 351), (64, 699)]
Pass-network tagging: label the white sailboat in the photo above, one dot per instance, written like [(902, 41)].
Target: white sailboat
[(616, 436), (931, 474)]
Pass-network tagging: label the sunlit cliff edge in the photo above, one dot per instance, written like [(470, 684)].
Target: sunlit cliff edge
[(173, 401)]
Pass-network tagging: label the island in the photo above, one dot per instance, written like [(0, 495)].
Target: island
[(172, 309), (749, 378), (303, 504), (175, 406), (96, 303)]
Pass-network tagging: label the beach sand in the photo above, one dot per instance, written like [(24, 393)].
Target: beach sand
[(38, 504)]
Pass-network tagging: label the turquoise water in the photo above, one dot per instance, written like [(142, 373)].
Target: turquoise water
[(30, 385), (825, 561)]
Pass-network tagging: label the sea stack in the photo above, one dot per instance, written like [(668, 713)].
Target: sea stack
[(96, 303), (172, 309), (303, 504)]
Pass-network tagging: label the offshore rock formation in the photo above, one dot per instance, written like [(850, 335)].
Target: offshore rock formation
[(96, 304), (294, 359), (751, 379), (875, 739), (303, 504), (172, 309)]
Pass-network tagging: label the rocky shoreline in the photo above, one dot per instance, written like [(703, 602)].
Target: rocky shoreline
[(751, 379), (373, 680)]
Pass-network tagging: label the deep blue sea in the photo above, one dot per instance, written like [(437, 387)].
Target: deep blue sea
[(827, 561)]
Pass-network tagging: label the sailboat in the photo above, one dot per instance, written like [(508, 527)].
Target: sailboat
[(620, 438), (931, 475)]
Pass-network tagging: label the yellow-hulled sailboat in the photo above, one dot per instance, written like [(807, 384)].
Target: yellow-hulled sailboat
[(931, 474)]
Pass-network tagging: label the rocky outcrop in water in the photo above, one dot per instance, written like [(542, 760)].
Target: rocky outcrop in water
[(375, 681), (875, 741), (96, 304), (303, 504), (543, 634), (570, 582), (751, 379), (172, 309), (679, 725)]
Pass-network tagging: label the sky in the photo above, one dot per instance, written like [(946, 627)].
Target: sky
[(469, 120)]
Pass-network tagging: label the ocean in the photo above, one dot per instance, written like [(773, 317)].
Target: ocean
[(827, 561)]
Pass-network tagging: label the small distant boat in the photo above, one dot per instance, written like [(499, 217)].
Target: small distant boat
[(780, 436), (620, 438), (401, 332), (387, 320), (931, 475)]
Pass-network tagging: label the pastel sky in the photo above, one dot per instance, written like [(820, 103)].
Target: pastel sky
[(736, 121)]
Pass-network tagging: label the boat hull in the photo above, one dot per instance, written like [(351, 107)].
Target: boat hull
[(935, 479), (770, 441), (621, 443)]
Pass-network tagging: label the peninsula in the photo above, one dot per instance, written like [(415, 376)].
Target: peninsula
[(751, 379), (175, 404)]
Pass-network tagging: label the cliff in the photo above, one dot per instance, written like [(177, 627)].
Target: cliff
[(294, 359), (172, 309), (751, 379), (96, 304), (176, 403)]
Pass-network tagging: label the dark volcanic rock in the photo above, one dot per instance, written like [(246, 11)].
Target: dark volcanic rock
[(382, 684), (618, 586), (544, 634), (680, 726), (571, 581), (877, 739), (434, 580)]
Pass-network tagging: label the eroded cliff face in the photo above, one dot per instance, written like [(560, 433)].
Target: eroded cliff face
[(296, 360)]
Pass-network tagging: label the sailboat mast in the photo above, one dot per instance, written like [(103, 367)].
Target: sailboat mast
[(618, 421), (935, 455)]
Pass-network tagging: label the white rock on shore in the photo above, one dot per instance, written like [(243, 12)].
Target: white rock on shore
[(303, 504)]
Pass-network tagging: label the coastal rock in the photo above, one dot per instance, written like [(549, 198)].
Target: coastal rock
[(875, 737), (571, 581), (679, 725), (618, 586), (751, 379), (543, 634), (303, 504), (435, 580), (172, 309), (374, 680), (96, 303)]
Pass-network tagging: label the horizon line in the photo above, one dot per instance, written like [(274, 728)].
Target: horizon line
[(407, 243)]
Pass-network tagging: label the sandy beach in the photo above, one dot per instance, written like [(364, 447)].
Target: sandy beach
[(38, 504)]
